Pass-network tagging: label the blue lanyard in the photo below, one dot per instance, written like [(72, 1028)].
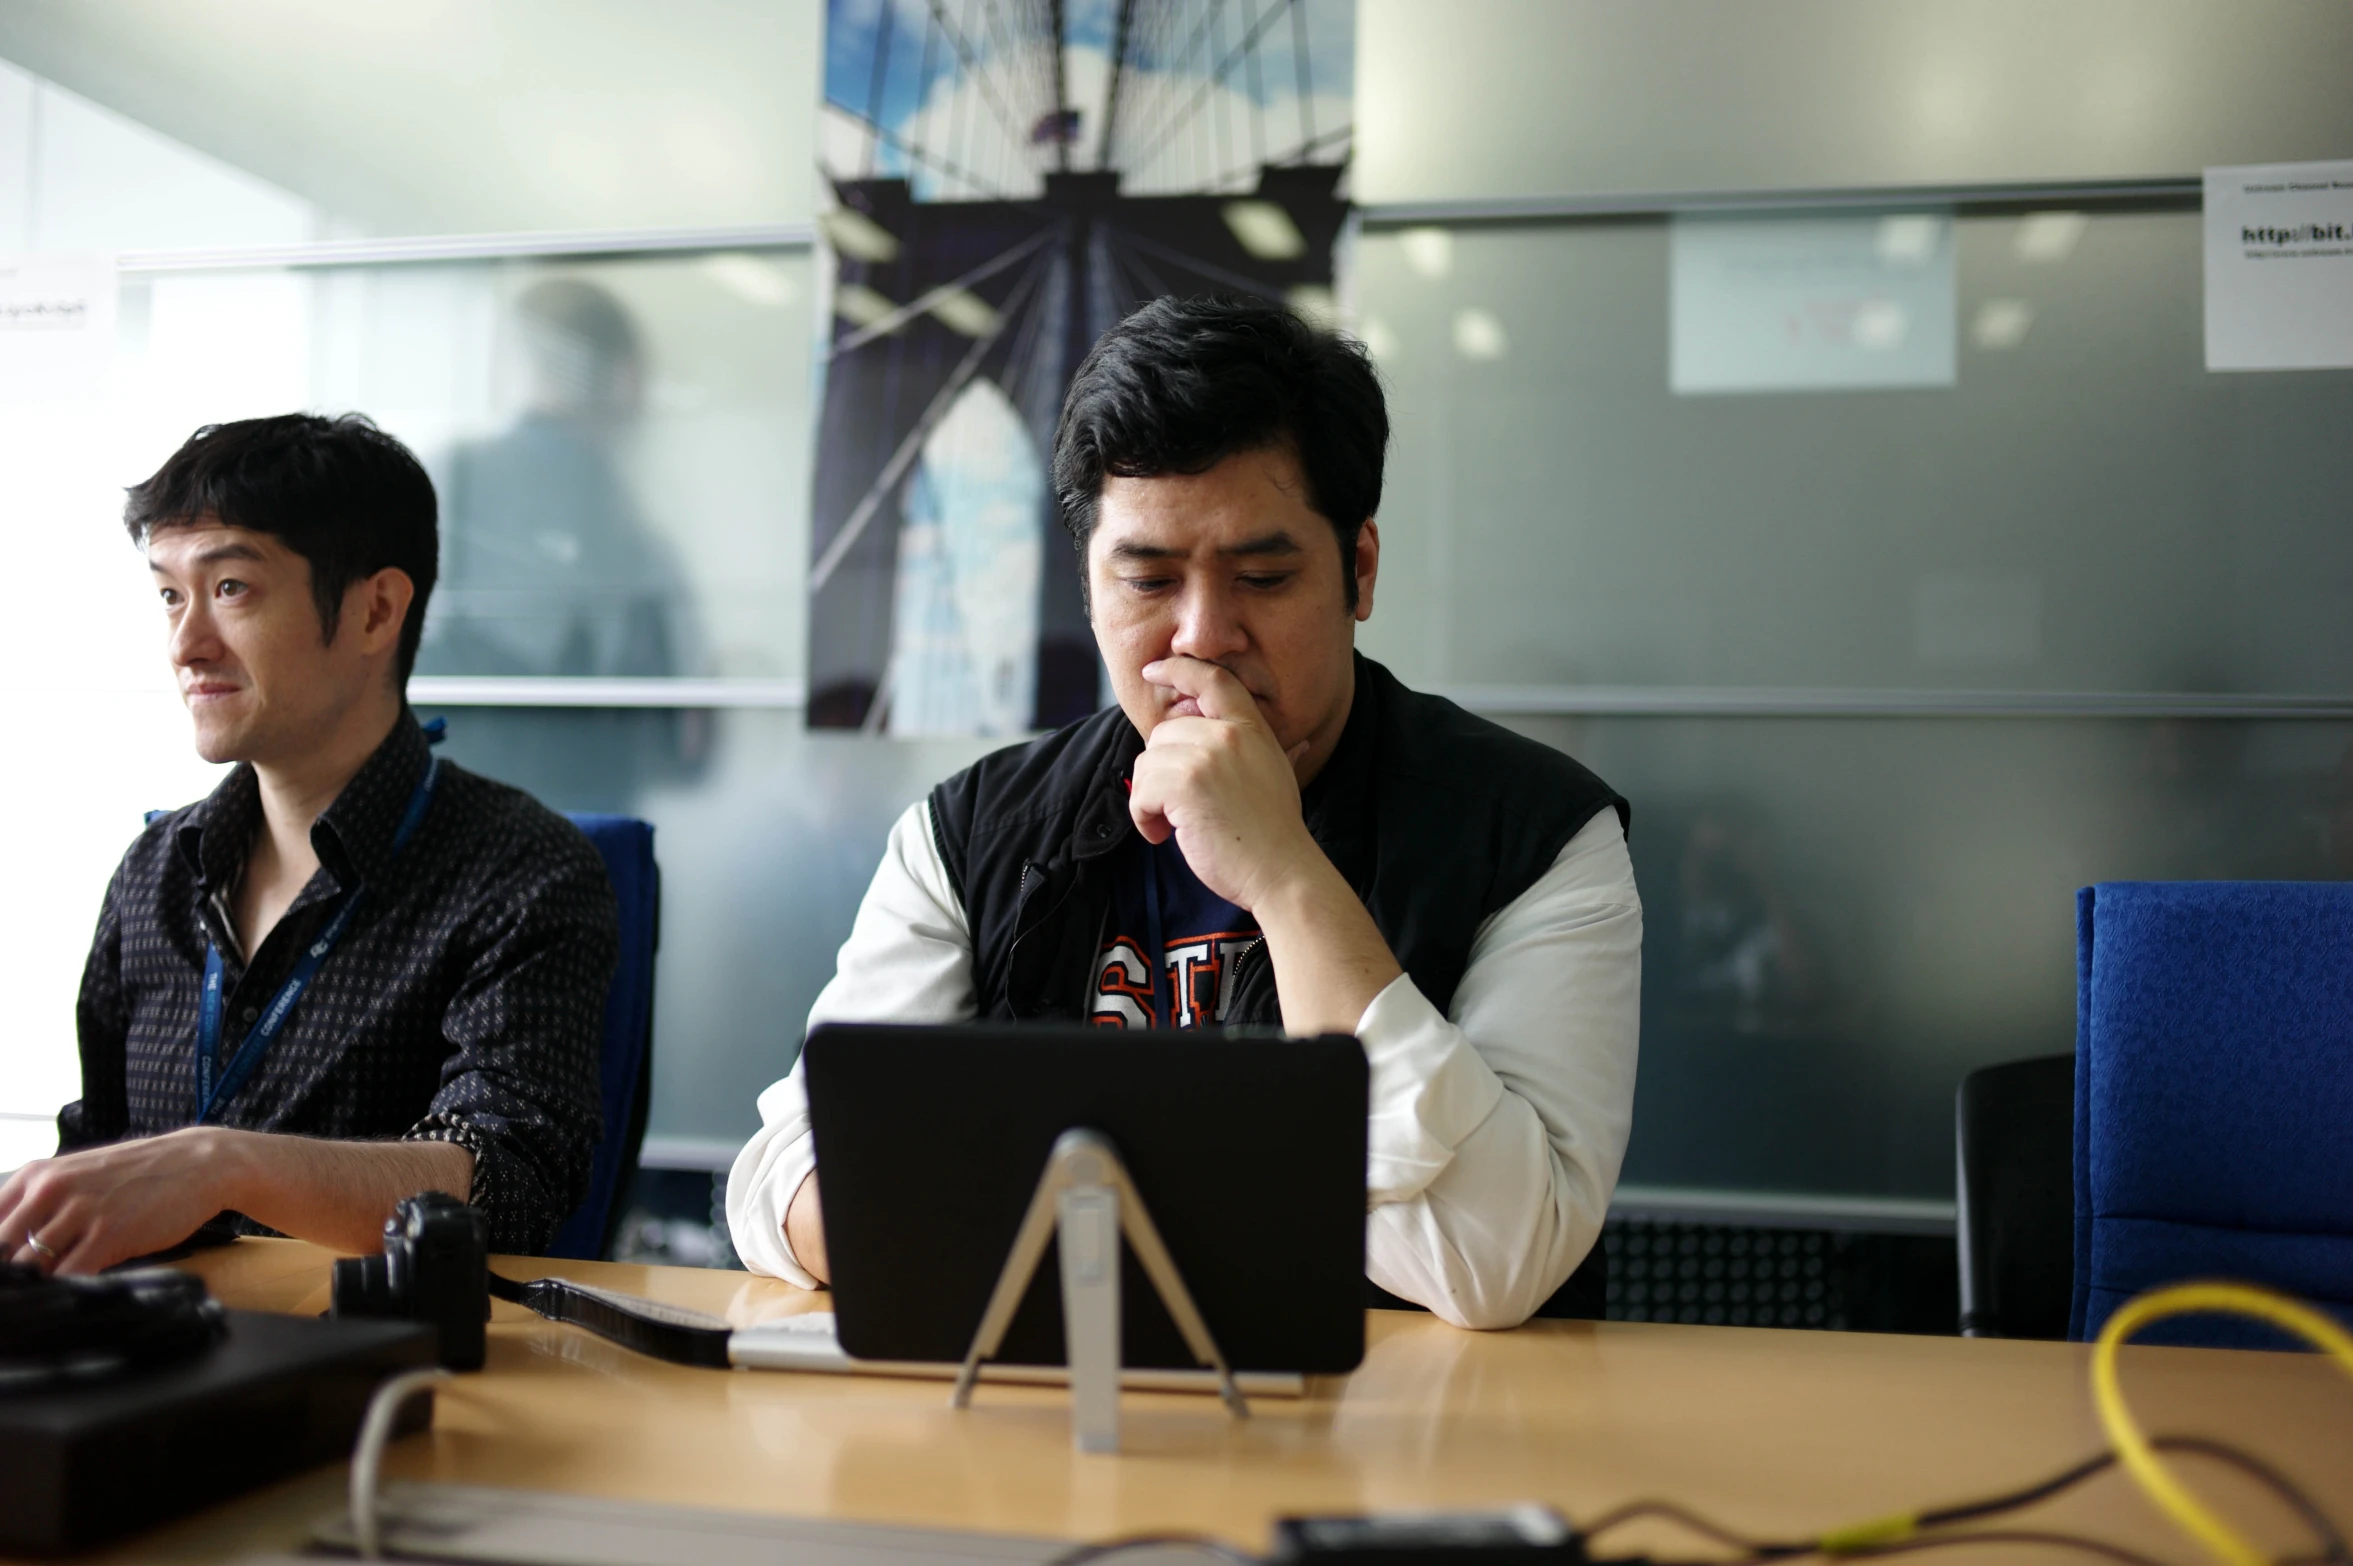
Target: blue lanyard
[(215, 1082)]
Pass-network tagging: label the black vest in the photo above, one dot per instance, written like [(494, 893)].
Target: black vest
[(1437, 818)]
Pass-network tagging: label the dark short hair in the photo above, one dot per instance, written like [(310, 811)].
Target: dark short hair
[(341, 493), (1183, 384)]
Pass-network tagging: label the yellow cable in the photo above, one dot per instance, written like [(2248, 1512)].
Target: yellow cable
[(2132, 1447), (1872, 1535)]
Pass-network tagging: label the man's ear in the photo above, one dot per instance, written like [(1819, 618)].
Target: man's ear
[(376, 607), (1368, 566)]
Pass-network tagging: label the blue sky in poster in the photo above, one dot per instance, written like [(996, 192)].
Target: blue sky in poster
[(956, 87)]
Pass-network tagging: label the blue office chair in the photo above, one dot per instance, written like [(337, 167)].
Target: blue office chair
[(2213, 1096), (626, 1073)]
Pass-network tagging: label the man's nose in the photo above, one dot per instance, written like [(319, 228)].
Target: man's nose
[(1207, 626), (194, 638)]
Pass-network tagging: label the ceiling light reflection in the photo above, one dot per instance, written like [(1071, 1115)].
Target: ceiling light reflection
[(860, 305), (1429, 251), (1315, 304), (854, 234), (1881, 324), (1265, 230), (964, 312), (2001, 323), (1909, 238), (1478, 335), (751, 278), (2047, 238)]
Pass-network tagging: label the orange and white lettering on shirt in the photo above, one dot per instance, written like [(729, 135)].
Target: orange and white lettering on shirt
[(1199, 981)]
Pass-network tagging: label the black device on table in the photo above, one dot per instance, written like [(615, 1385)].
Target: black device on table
[(132, 1397), (1249, 1151), (434, 1268)]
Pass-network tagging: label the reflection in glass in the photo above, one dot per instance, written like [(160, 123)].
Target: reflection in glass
[(765, 852), (1843, 917), (620, 446), (2082, 508), (548, 565)]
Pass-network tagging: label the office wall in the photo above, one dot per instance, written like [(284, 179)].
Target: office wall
[(446, 117), (1507, 100), (711, 463), (1846, 913)]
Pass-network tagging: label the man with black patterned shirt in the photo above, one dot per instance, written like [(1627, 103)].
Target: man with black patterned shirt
[(354, 972)]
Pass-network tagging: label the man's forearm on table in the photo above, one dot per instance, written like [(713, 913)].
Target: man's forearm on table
[(337, 1194)]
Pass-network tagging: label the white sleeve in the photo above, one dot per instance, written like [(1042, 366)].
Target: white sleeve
[(1497, 1134), (908, 959)]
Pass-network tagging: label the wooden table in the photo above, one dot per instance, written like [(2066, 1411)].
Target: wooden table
[(1782, 1433)]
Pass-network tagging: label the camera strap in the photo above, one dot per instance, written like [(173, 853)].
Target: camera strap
[(671, 1332), (216, 1082)]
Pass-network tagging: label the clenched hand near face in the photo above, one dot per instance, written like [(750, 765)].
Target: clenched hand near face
[(1226, 617)]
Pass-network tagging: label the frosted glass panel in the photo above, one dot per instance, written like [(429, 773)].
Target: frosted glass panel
[(1842, 918), (620, 447), (766, 844), (623, 472), (1511, 99), (2086, 508)]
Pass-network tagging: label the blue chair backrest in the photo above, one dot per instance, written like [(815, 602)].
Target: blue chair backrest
[(627, 847), (2213, 1096)]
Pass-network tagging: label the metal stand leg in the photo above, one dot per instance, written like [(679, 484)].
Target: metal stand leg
[(1089, 1232), (1086, 1197)]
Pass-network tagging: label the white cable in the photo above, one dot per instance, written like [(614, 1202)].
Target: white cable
[(367, 1453)]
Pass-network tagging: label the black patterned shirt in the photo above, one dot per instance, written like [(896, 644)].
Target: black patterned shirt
[(464, 1003)]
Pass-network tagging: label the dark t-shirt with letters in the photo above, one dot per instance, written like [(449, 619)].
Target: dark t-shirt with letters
[(1169, 951)]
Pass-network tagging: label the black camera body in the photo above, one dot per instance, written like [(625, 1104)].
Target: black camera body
[(435, 1269)]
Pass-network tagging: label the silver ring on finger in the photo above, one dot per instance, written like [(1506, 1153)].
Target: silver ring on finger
[(33, 1244)]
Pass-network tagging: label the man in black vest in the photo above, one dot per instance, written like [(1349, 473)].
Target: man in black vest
[(1269, 828)]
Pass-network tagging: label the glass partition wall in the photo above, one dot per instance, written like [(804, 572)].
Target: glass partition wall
[(1891, 653), (1889, 670)]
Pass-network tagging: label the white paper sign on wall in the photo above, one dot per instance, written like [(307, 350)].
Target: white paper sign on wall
[(56, 327), (2279, 267), (1811, 304)]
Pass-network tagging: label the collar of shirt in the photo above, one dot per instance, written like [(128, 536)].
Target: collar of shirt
[(352, 837)]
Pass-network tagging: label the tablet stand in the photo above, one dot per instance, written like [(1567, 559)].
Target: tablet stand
[(1086, 1199)]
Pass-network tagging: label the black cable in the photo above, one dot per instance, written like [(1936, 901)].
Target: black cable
[(2015, 1500), (1751, 1548), (1936, 1530), (2335, 1553), (2318, 1521), (2068, 1541), (2334, 1548), (1097, 1551)]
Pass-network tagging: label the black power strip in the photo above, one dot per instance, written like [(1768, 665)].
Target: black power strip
[(84, 1463)]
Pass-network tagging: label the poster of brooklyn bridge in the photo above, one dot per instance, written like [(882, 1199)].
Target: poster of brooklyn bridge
[(1004, 179)]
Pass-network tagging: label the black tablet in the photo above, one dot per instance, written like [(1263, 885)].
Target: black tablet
[(1248, 1151)]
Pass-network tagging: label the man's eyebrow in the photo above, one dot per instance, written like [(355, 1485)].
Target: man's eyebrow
[(1129, 551), (217, 553), (1279, 542)]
